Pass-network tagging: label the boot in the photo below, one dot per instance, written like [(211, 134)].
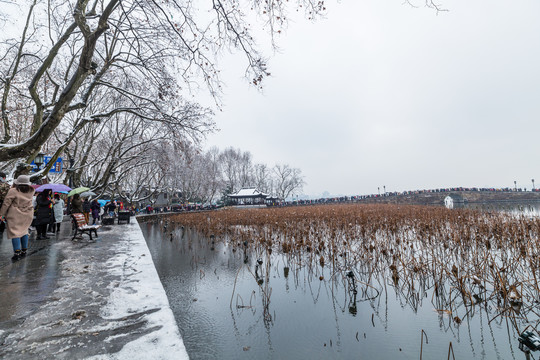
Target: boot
[(23, 252), (17, 255)]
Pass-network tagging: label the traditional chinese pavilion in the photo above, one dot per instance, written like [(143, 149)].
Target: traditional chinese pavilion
[(248, 196)]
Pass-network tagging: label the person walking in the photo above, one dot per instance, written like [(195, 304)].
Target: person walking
[(86, 210), (94, 206), (76, 204), (44, 213), (4, 188), (58, 209), (112, 208), (18, 212)]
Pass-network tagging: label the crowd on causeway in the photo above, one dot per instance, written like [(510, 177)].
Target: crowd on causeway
[(388, 194)]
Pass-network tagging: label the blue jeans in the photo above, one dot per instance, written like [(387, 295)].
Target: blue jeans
[(17, 242)]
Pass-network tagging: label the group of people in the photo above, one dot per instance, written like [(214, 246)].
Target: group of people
[(86, 207), (20, 210), (49, 214)]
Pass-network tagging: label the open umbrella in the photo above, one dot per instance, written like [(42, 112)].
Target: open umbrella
[(88, 194), (78, 190), (54, 188)]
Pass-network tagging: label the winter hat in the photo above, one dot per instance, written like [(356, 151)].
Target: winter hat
[(22, 180)]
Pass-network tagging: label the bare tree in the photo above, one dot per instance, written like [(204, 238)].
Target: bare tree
[(245, 169), (212, 174), (229, 160), (262, 176), (67, 50), (287, 180), (427, 3), (237, 168)]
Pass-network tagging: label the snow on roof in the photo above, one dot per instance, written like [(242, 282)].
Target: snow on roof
[(248, 192)]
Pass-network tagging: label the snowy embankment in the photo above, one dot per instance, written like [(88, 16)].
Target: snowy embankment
[(139, 290), (108, 303)]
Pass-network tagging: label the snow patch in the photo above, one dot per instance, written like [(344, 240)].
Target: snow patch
[(140, 292)]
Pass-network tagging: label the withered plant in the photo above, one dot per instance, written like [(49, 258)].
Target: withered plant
[(459, 260)]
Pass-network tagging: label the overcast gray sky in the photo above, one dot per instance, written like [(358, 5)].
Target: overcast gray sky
[(382, 94)]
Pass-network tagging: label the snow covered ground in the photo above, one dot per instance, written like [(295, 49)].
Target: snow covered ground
[(108, 303)]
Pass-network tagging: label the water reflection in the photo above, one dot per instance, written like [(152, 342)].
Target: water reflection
[(234, 301), (28, 282), (523, 208)]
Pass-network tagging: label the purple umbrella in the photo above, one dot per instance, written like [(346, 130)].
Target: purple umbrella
[(54, 188)]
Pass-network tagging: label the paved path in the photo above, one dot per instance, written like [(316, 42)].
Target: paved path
[(96, 300)]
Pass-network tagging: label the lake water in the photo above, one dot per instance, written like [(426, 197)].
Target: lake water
[(227, 306), (526, 208)]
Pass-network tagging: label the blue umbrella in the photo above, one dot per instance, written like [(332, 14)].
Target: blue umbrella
[(54, 188)]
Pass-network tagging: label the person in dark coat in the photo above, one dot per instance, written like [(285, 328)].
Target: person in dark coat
[(112, 208), (76, 204), (44, 213), (86, 210), (94, 206)]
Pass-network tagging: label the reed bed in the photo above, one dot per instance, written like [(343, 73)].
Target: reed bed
[(458, 260)]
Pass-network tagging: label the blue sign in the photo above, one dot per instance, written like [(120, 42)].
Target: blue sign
[(57, 168)]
